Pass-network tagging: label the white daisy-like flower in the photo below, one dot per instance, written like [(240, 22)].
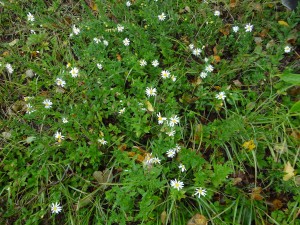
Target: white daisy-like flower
[(206, 59), (209, 68), (173, 121), (102, 141), (160, 118), (200, 192), (177, 184), (121, 111), (221, 95), (171, 133), (58, 136), (9, 68), (287, 49), (126, 42), (29, 108), (197, 51), (56, 208), (99, 65), (165, 74), (143, 62), (155, 160), (30, 17), (32, 31), (217, 13), (162, 17), (191, 46), (97, 40), (128, 3), (105, 42), (64, 120), (74, 72), (75, 30), (47, 103), (120, 28), (203, 75), (171, 153), (155, 63), (177, 148), (248, 27), (60, 82), (182, 167), (148, 159), (150, 91), (235, 29), (173, 78)]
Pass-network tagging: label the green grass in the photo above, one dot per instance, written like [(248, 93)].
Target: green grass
[(112, 164)]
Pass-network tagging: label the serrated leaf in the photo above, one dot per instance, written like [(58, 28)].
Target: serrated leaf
[(289, 171), (295, 107)]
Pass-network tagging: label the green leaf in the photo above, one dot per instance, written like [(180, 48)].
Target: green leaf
[(295, 107), (292, 78)]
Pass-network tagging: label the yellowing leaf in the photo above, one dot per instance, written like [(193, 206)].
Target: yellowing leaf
[(149, 106), (249, 145), (283, 23), (289, 171)]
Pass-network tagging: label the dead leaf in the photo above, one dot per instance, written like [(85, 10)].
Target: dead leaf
[(198, 132), (197, 219), (232, 3), (277, 204), (283, 23), (237, 180), (163, 217), (217, 58), (225, 30), (119, 58), (103, 177), (237, 83), (256, 194), (289, 171)]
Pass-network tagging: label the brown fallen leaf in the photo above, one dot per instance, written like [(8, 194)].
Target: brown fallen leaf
[(289, 171), (232, 3), (197, 219), (217, 58), (256, 194), (277, 204)]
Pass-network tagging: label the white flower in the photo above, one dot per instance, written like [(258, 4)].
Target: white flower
[(58, 136), (248, 27), (30, 17), (47, 103), (217, 13), (171, 133), (29, 108), (64, 120), (182, 167), (191, 46), (75, 30), (287, 49), (148, 159), (171, 153), (235, 29), (143, 62), (9, 68), (160, 118), (197, 51), (177, 148), (203, 75), (177, 184), (126, 42), (102, 141), (155, 63), (120, 28), (155, 160), (74, 72), (221, 95), (60, 82), (97, 40), (200, 191), (105, 42), (173, 120), (205, 59), (162, 17), (121, 111), (56, 208), (99, 65), (173, 78), (165, 74), (209, 68), (150, 91), (128, 3), (32, 31)]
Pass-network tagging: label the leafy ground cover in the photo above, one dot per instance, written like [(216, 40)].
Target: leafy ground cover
[(149, 112)]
